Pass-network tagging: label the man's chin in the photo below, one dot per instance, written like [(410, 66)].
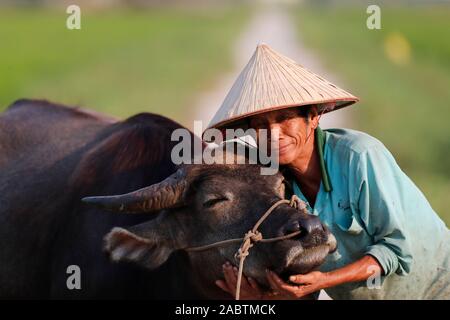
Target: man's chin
[(285, 160)]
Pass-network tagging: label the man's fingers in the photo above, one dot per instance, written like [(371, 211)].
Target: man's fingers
[(229, 275), (280, 286), (249, 288), (298, 279), (253, 284), (222, 285), (244, 280), (272, 282), (283, 285), (299, 291), (291, 289), (294, 291), (276, 278)]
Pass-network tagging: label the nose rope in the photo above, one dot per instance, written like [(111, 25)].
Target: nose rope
[(253, 236)]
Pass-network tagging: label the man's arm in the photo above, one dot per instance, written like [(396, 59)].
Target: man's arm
[(359, 270), (302, 285)]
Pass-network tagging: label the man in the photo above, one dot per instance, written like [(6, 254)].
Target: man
[(391, 244)]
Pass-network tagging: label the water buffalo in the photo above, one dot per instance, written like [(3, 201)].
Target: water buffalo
[(52, 156)]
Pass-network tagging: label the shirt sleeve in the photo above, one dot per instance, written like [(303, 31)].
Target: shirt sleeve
[(379, 199)]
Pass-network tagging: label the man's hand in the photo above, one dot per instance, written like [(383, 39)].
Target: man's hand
[(302, 284), (250, 290), (306, 284)]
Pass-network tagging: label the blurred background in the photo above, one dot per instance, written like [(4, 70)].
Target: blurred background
[(179, 59)]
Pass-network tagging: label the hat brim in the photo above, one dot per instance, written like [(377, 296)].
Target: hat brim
[(239, 121)]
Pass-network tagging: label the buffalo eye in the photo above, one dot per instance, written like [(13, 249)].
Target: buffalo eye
[(211, 202)]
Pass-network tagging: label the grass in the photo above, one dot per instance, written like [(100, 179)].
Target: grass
[(405, 100), (120, 62)]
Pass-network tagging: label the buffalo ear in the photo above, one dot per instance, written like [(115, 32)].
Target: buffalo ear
[(124, 245)]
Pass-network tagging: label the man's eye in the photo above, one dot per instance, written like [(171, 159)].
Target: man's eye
[(259, 125), (212, 202), (284, 118)]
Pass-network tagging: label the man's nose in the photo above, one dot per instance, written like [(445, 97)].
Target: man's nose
[(274, 133), (274, 129)]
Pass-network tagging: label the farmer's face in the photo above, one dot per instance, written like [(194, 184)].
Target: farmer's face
[(293, 130)]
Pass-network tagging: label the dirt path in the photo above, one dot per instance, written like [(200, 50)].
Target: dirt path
[(274, 27)]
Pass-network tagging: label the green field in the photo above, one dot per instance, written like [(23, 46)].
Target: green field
[(125, 61), (405, 99), (121, 61)]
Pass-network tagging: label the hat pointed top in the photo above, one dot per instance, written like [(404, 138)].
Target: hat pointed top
[(260, 45), (271, 81)]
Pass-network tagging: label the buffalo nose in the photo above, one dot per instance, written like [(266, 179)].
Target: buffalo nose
[(292, 227), (310, 224)]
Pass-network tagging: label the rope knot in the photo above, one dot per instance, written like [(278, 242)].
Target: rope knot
[(241, 254), (250, 238), (297, 203), (254, 236)]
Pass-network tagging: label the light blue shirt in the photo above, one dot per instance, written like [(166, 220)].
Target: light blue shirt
[(375, 209)]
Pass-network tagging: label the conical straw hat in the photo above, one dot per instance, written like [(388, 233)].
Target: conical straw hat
[(271, 81)]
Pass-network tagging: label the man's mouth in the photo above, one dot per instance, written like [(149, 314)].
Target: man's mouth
[(283, 148)]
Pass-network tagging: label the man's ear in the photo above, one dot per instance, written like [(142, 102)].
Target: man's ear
[(314, 117), (149, 250)]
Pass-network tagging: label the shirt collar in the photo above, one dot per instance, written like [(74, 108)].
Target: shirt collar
[(320, 143)]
